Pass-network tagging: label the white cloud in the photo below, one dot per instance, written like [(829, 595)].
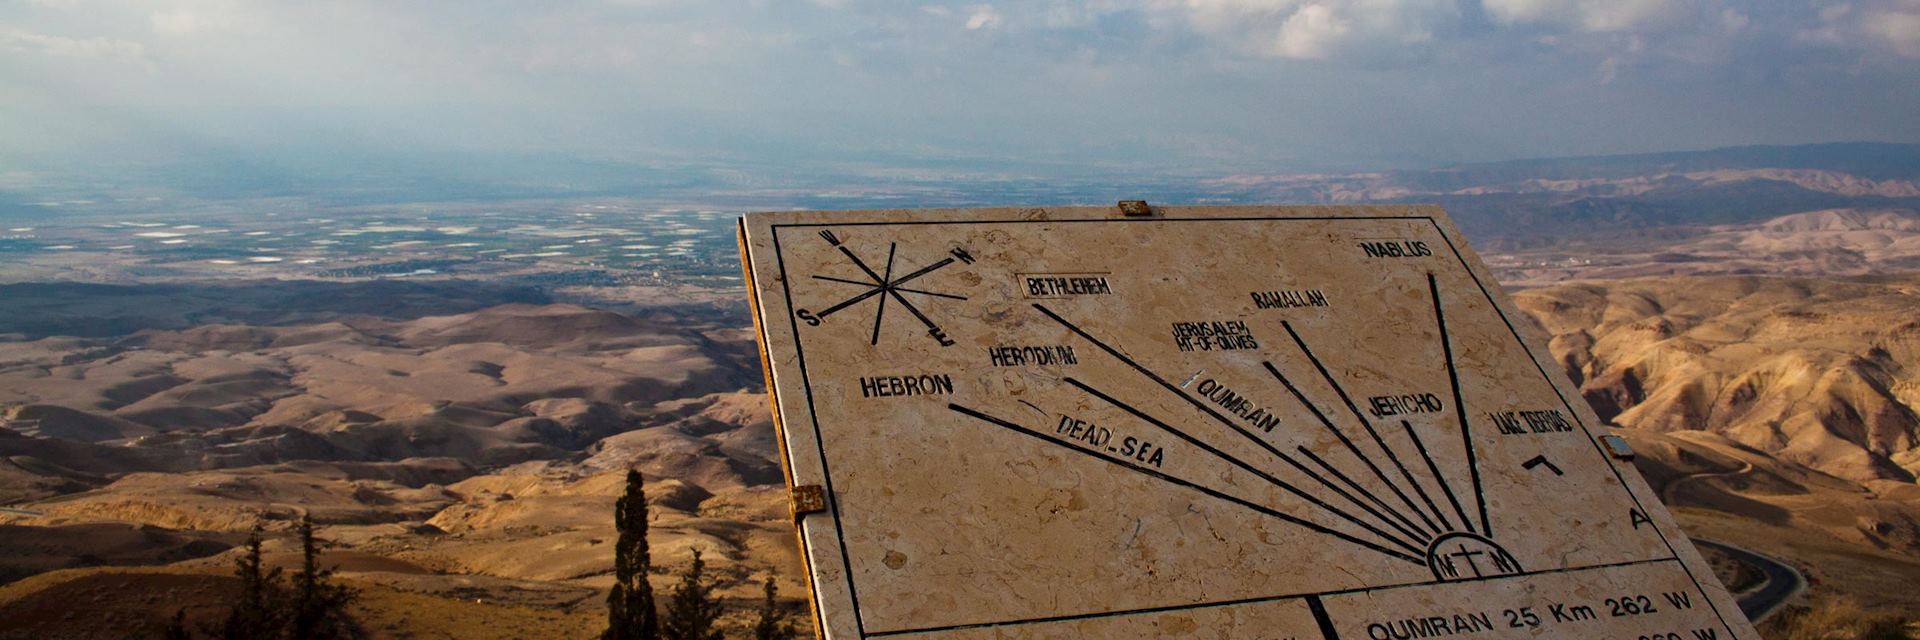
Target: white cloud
[(1898, 30), (984, 17), (1630, 37), (193, 17), (1311, 32), (180, 22), (1734, 21), (20, 40), (1318, 29), (1888, 26), (1588, 15)]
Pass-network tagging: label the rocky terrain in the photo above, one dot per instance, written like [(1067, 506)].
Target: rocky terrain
[(1774, 413), (467, 458), (1819, 372)]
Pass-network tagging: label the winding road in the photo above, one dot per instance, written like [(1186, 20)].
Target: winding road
[(1783, 582)]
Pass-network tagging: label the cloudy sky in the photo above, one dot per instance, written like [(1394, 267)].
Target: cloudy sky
[(1197, 85)]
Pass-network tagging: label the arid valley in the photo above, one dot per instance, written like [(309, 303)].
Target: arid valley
[(455, 398)]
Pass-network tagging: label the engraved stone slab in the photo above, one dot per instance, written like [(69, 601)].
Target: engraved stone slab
[(1247, 422)]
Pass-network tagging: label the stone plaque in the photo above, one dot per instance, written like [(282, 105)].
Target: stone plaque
[(1220, 422)]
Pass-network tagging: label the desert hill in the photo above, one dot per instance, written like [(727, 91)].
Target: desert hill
[(487, 387), (1816, 243), (1825, 242), (451, 457), (1773, 413), (1813, 371), (1854, 539), (523, 550)]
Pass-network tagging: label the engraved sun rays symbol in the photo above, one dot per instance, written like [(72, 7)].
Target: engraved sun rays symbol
[(885, 286), (1346, 501)]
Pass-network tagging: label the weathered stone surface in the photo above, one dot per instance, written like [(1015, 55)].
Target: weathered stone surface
[(1272, 422)]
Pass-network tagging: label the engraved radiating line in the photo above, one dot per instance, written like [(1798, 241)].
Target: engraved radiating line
[(877, 290), (906, 289), (912, 309), (935, 294), (1319, 611), (889, 287), (923, 271), (1445, 486), (1169, 387), (1266, 511), (860, 263), (882, 313), (1416, 533), (1250, 469), (1337, 433), (1157, 379), (1344, 398), (879, 284), (1460, 410), (833, 279)]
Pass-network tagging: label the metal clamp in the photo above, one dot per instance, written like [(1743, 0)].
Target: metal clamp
[(1618, 447), (807, 498)]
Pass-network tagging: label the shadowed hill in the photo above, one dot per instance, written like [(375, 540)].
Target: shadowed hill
[(465, 459), (498, 386), (1819, 372)]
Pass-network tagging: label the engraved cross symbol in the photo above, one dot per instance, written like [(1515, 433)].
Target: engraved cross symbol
[(885, 286), (1464, 554)]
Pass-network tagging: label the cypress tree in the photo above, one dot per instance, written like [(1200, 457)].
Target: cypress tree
[(319, 605), (630, 610), (773, 623), (256, 613), (692, 611)]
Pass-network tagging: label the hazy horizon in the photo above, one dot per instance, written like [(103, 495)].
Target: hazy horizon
[(345, 95)]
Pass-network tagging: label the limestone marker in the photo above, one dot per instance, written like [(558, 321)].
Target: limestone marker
[(1245, 422)]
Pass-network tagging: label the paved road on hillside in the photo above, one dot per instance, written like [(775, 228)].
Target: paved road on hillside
[(1782, 581)]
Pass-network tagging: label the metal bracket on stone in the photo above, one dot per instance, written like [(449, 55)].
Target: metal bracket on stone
[(807, 498), (1135, 209), (1617, 447)]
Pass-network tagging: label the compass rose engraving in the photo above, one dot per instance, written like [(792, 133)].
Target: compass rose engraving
[(885, 286)]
